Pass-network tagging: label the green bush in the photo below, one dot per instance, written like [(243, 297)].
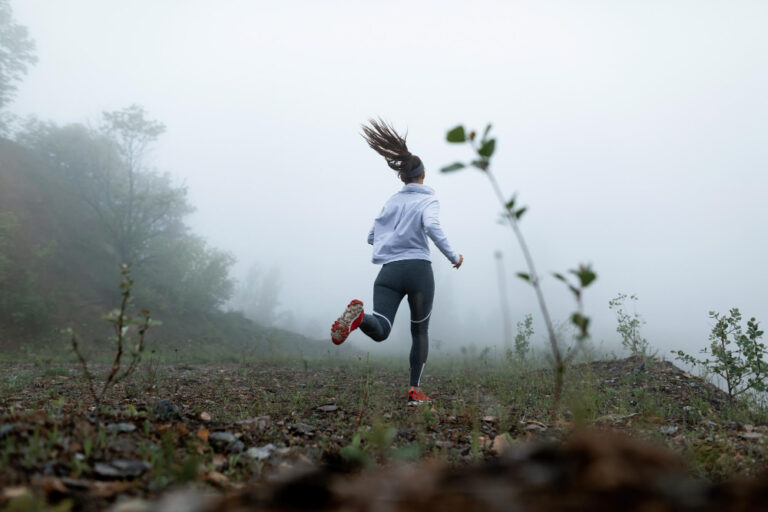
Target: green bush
[(629, 326), (736, 356)]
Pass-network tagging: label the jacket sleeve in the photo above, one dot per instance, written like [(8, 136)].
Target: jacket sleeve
[(435, 232), (370, 235)]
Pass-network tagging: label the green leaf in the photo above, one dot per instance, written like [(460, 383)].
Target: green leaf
[(582, 322), (453, 167), (485, 133), (585, 274), (487, 148), (524, 276), (456, 135), (481, 164), (560, 276), (511, 203), (519, 213)]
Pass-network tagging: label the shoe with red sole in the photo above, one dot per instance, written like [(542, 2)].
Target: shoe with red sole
[(417, 397), (347, 322)]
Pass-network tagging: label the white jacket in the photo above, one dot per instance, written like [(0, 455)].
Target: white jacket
[(400, 231)]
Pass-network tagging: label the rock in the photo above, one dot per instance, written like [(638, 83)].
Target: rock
[(5, 430), (11, 493), (204, 416), (114, 428), (121, 468), (489, 419), (668, 429), (539, 427), (216, 478), (226, 441), (303, 429), (166, 410), (501, 443), (751, 435), (236, 447), (132, 505), (258, 423), (260, 453), (327, 408), (222, 437), (76, 483), (219, 461)]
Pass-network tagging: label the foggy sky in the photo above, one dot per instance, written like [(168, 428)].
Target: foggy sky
[(634, 131)]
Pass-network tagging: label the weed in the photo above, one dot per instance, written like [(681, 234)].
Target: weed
[(121, 323), (484, 148), (629, 326), (523, 337)]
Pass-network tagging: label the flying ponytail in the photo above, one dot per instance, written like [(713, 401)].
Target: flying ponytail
[(383, 138)]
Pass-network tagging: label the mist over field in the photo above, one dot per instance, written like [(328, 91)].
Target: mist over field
[(634, 132)]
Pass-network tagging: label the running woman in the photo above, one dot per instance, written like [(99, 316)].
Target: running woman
[(399, 238)]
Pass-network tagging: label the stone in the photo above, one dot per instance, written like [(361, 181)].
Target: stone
[(303, 429), (166, 410), (5, 430), (260, 453), (121, 468), (114, 428)]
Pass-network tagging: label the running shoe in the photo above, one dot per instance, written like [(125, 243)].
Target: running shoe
[(347, 322), (417, 396)]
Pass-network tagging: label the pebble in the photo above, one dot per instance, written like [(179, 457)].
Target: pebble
[(114, 428), (260, 453), (166, 410), (121, 468), (303, 429)]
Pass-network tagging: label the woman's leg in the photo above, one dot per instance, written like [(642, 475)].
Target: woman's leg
[(387, 296), (421, 293)]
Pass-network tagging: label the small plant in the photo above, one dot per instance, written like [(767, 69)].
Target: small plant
[(122, 322), (736, 356), (523, 336), (629, 326), (484, 147)]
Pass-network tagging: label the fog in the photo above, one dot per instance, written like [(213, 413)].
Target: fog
[(634, 131)]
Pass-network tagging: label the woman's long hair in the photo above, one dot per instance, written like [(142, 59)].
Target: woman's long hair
[(383, 138)]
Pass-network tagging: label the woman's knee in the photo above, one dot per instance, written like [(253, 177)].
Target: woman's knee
[(380, 336)]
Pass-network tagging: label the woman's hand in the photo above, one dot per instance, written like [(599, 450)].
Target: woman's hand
[(461, 260)]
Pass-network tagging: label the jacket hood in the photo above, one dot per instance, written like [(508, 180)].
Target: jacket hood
[(416, 188)]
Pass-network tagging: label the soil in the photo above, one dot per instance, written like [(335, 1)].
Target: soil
[(229, 429)]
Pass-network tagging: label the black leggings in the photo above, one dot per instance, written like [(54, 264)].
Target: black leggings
[(396, 280)]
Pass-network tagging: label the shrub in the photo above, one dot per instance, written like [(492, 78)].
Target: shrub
[(629, 326), (736, 356), (523, 336)]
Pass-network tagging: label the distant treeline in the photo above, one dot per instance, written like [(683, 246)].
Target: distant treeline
[(75, 202)]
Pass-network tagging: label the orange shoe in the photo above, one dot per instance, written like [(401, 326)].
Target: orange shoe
[(417, 397), (349, 320)]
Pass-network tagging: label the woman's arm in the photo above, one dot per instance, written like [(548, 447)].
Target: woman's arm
[(430, 218)]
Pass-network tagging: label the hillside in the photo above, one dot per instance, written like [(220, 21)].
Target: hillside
[(57, 270)]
